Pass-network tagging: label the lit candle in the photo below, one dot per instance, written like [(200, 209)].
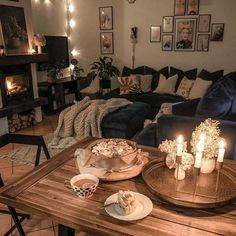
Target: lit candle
[(198, 160), (179, 145), (221, 151), (200, 146)]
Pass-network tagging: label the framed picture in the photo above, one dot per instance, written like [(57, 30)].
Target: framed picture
[(155, 33), (192, 7), (180, 7), (185, 31), (204, 23), (217, 31), (106, 18), (13, 30), (168, 23), (167, 42), (203, 42), (107, 42)]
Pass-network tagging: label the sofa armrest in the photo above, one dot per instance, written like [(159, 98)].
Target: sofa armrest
[(170, 126)]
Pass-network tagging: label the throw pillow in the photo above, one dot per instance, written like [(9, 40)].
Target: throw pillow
[(156, 74), (218, 101), (199, 88), (128, 71), (185, 87), (129, 85), (166, 85), (187, 108), (190, 74), (213, 76), (145, 82)]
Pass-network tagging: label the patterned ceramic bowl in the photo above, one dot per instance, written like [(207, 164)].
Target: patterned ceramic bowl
[(84, 185)]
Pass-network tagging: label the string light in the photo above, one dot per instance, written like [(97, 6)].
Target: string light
[(72, 23), (71, 8)]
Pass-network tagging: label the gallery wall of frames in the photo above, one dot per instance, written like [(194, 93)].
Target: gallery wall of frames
[(188, 29)]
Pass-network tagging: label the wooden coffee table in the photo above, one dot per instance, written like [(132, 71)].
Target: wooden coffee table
[(42, 192)]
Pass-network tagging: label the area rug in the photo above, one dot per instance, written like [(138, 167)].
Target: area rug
[(27, 154)]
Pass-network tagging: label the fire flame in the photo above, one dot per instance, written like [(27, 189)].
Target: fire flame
[(9, 85)]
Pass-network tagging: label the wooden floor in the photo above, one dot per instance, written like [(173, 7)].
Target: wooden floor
[(9, 170)]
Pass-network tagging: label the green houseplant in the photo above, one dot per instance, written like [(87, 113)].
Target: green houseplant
[(54, 70), (104, 69)]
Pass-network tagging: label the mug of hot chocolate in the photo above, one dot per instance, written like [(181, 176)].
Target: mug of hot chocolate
[(84, 185)]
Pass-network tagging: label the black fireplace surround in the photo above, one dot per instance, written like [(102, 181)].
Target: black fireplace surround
[(16, 84)]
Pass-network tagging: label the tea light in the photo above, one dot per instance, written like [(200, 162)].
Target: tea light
[(221, 151), (179, 145)]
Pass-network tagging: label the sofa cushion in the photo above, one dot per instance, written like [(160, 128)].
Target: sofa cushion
[(187, 108), (166, 85), (218, 101), (190, 74), (156, 74), (129, 85), (199, 88), (213, 76), (148, 135), (145, 82), (128, 71), (185, 87), (126, 121)]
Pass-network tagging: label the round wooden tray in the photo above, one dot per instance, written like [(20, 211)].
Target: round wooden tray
[(161, 182)]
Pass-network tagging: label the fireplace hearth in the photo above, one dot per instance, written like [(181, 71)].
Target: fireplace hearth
[(18, 88), (16, 84)]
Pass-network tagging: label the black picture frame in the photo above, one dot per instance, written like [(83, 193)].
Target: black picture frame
[(179, 10), (192, 10), (203, 42), (171, 24), (202, 26), (107, 43), (167, 46), (14, 30), (155, 39), (106, 18), (181, 44), (217, 36)]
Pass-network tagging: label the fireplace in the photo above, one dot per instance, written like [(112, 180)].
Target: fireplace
[(16, 84)]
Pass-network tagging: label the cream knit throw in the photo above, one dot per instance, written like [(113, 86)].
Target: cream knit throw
[(84, 119)]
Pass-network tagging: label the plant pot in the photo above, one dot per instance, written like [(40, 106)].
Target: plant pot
[(207, 165), (105, 84)]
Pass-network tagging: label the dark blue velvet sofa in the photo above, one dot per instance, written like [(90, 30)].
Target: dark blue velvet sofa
[(219, 103), (153, 99)]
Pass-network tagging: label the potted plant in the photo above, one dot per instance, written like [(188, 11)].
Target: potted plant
[(104, 69), (54, 70)]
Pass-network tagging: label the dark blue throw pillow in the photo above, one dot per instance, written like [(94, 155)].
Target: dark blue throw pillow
[(128, 71), (218, 101), (213, 76), (156, 74)]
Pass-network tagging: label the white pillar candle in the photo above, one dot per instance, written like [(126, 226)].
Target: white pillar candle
[(221, 151), (198, 160), (179, 145)]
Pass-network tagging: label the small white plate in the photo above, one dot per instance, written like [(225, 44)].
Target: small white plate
[(143, 209)]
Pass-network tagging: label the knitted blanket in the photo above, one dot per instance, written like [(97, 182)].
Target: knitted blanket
[(84, 119)]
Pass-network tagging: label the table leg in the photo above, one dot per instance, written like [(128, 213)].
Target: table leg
[(65, 231)]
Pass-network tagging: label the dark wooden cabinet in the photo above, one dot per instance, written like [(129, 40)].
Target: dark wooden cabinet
[(61, 93)]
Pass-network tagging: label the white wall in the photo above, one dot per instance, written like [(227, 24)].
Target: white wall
[(49, 18), (86, 39), (143, 14)]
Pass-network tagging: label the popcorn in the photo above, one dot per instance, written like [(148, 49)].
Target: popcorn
[(112, 148)]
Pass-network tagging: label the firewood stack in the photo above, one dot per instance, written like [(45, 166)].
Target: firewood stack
[(20, 121)]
